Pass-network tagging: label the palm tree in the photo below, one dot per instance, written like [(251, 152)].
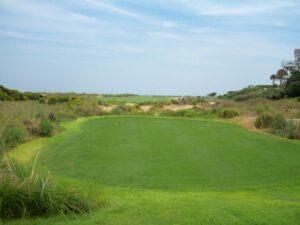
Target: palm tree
[(273, 78), (280, 75)]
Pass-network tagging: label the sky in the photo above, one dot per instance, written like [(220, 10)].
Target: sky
[(150, 47)]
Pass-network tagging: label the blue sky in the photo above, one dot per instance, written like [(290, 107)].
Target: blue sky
[(171, 47)]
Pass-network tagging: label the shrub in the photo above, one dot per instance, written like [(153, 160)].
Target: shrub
[(214, 110), (274, 93), (42, 100), (102, 102), (87, 107), (293, 130), (263, 121), (24, 193), (279, 124), (242, 98), (45, 127), (52, 116), (10, 135), (182, 113), (32, 126), (262, 109), (293, 89), (120, 109), (58, 99), (228, 113)]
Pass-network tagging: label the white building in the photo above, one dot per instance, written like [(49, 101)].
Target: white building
[(297, 57), (292, 65)]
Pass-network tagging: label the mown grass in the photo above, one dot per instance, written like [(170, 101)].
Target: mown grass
[(174, 171)]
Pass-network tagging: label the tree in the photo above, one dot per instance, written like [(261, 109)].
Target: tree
[(280, 75), (293, 85), (294, 89), (273, 78), (294, 77), (213, 94)]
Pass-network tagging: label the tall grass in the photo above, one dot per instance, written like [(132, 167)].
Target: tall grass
[(25, 193)]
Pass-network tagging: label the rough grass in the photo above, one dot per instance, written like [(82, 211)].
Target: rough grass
[(25, 193), (174, 171)]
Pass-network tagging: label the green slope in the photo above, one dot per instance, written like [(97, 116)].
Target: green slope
[(174, 171)]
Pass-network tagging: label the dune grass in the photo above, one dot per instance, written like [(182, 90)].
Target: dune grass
[(173, 171), (26, 193)]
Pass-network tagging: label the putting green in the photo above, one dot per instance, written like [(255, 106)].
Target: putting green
[(172, 171), (161, 153)]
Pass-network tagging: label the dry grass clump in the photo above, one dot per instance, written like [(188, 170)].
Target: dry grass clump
[(228, 113)]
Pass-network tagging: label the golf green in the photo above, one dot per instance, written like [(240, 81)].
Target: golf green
[(162, 153), (151, 170)]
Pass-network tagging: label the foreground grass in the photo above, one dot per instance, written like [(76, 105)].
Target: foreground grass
[(173, 171)]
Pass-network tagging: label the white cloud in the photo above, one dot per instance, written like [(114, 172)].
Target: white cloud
[(100, 5), (210, 8), (42, 10)]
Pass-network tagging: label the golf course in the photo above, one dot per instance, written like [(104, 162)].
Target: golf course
[(162, 170)]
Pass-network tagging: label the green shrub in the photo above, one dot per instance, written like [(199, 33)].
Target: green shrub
[(263, 121), (214, 110), (293, 130), (42, 100), (102, 102), (293, 89), (262, 109), (10, 135), (23, 193), (120, 110), (279, 124), (242, 98), (274, 93), (45, 127), (182, 113), (228, 113)]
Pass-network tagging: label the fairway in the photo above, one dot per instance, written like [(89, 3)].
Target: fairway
[(165, 170)]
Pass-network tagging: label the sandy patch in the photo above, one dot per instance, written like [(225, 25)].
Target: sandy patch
[(130, 104), (107, 108), (177, 107), (146, 108)]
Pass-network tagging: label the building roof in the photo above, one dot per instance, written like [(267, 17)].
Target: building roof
[(297, 51)]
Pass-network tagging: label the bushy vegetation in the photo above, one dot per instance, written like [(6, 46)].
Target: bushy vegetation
[(228, 113), (11, 134), (263, 121), (183, 113), (274, 93), (189, 100), (46, 127), (278, 125), (25, 193), (245, 94), (293, 85)]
